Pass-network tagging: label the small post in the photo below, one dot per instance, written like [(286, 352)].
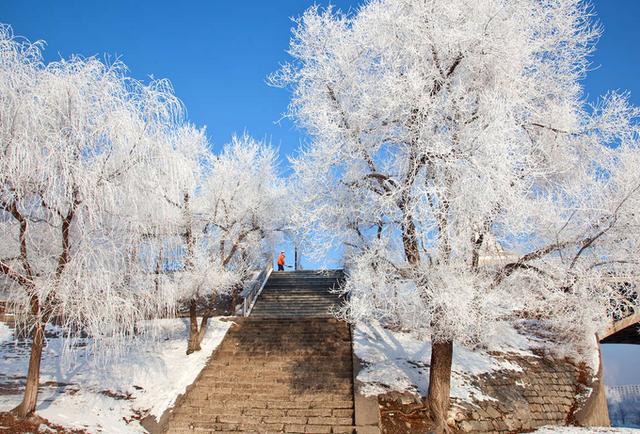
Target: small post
[(295, 258)]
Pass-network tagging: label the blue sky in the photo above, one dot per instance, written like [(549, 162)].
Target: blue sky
[(218, 53)]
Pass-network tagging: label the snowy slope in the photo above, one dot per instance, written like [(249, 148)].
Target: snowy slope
[(104, 395), (399, 361)]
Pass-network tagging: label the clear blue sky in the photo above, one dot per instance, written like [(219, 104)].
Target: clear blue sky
[(218, 53)]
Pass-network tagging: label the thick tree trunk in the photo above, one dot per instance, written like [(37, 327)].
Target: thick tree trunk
[(440, 384), (28, 405), (196, 334), (193, 344)]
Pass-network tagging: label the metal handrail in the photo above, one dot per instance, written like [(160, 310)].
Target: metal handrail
[(254, 288)]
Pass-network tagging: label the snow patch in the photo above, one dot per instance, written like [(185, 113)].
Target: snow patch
[(5, 332), (400, 362), (100, 396)]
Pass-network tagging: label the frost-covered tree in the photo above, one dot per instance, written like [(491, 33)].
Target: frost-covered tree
[(438, 125), (230, 220), (73, 136)]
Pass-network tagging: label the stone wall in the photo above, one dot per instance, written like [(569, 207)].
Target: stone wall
[(548, 391)]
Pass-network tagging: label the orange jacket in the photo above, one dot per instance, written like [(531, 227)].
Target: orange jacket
[(281, 259)]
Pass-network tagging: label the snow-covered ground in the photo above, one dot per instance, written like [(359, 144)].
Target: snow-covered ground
[(104, 395), (399, 361)]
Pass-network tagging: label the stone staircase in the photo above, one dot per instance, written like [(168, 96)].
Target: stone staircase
[(300, 294), (286, 368)]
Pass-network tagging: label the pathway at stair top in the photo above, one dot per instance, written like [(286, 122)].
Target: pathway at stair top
[(286, 368)]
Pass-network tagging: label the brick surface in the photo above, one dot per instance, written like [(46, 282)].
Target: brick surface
[(274, 374)]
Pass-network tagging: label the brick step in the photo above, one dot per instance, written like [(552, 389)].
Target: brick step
[(299, 378), (246, 330), (293, 308), (310, 328), (297, 290), (215, 390), (249, 335), (280, 310), (241, 377), (282, 386), (201, 426), (304, 278), (285, 351), (278, 349), (308, 325), (292, 315), (255, 420), (285, 403), (319, 291), (302, 339), (267, 336), (295, 402), (296, 303), (327, 363), (297, 359), (274, 343), (319, 283), (302, 306), (302, 301), (298, 299), (291, 324), (223, 409), (343, 370), (314, 393), (273, 335)]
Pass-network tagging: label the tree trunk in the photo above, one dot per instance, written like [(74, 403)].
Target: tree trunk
[(28, 405), (196, 335), (410, 241), (193, 344), (440, 384)]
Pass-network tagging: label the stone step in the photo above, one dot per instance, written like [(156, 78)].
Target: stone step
[(276, 389), (267, 420), (325, 289), (266, 377), (298, 296), (292, 314), (342, 370), (260, 399), (316, 284), (274, 312), (294, 353), (293, 305), (307, 302), (219, 427), (299, 300), (305, 275)]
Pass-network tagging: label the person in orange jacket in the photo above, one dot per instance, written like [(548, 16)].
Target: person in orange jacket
[(281, 262)]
